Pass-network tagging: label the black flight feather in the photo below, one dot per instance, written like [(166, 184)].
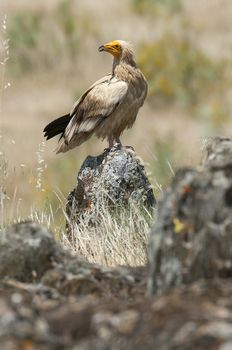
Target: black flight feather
[(57, 126)]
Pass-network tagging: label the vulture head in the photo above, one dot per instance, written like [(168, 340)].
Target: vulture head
[(121, 50)]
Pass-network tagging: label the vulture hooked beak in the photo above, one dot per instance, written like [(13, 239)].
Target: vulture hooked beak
[(113, 47), (101, 48)]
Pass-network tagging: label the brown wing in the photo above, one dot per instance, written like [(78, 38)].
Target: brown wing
[(95, 105)]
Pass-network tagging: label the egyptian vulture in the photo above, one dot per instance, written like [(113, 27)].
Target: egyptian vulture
[(108, 107)]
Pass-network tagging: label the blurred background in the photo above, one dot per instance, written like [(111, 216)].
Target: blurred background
[(48, 56)]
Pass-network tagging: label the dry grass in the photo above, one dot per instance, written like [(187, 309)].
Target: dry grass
[(120, 239)]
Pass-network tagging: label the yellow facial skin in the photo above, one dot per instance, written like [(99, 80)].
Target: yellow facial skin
[(113, 47)]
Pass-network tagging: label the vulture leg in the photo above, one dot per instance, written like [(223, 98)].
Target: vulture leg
[(118, 142), (111, 143), (110, 140), (120, 145)]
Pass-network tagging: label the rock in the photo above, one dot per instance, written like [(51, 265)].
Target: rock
[(217, 151), (114, 180), (82, 279), (56, 310), (29, 253), (26, 251), (195, 317), (192, 235)]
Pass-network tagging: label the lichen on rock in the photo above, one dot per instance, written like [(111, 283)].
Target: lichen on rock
[(26, 251), (192, 235), (217, 151), (114, 180)]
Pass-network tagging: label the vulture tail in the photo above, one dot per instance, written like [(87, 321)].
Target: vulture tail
[(57, 126)]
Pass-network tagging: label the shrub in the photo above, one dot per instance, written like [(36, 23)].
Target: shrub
[(177, 71), (47, 40), (156, 6)]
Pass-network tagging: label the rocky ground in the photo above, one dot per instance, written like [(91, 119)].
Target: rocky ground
[(52, 299)]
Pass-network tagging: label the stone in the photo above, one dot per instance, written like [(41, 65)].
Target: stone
[(114, 180), (30, 254), (194, 317), (216, 151), (79, 278), (26, 251), (192, 235)]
